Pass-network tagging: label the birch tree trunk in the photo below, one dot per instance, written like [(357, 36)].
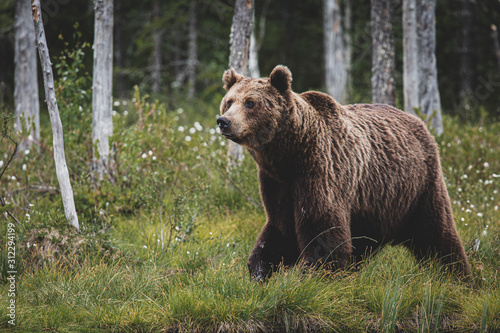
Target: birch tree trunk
[(335, 71), (102, 87), (55, 120), (25, 73), (241, 31), (410, 56), (253, 60), (383, 63), (430, 101), (192, 59), (156, 49)]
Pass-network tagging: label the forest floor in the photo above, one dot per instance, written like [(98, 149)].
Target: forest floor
[(164, 243)]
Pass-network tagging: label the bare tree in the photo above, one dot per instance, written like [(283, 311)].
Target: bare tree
[(192, 59), (55, 120), (102, 87), (430, 101), (25, 72), (335, 69), (241, 31), (157, 35), (383, 63), (410, 56)]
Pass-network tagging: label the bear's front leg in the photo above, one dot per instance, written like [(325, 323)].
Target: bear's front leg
[(323, 226), (277, 243)]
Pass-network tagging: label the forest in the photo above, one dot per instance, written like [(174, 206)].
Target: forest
[(125, 210)]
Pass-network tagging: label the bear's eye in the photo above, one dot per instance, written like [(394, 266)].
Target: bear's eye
[(249, 104), (229, 103)]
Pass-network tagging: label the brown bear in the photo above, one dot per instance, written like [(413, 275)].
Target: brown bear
[(337, 181)]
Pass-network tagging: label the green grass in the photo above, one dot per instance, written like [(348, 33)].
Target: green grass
[(164, 247)]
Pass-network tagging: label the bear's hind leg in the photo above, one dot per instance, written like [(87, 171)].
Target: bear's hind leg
[(432, 232)]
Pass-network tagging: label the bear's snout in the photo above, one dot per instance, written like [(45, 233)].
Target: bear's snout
[(223, 123)]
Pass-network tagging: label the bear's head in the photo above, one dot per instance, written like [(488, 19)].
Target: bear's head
[(254, 110)]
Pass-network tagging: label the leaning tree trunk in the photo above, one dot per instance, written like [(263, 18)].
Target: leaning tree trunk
[(410, 56), (192, 59), (102, 88), (383, 86), (430, 100), (25, 73), (335, 69), (241, 30), (55, 120)]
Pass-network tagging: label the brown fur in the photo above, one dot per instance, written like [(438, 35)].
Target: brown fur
[(338, 181)]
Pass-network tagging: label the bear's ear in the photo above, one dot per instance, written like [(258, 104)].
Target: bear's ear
[(230, 78), (281, 78)]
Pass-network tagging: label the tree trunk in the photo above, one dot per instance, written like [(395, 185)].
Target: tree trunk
[(26, 83), (348, 45), (494, 37), (410, 56), (102, 87), (157, 34), (192, 59), (466, 52), (253, 60), (383, 86), (430, 100), (241, 31), (55, 120), (335, 71)]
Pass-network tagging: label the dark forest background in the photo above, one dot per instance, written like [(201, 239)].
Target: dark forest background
[(288, 32)]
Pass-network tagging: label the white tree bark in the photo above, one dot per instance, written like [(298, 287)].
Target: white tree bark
[(25, 73), (55, 120), (241, 31), (102, 87), (335, 69), (253, 60), (410, 56), (430, 100)]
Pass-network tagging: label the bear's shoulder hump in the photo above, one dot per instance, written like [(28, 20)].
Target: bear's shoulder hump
[(322, 102)]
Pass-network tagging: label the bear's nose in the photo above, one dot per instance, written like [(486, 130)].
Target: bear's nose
[(223, 123)]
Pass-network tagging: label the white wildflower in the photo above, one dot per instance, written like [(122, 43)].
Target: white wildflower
[(25, 167), (192, 130), (144, 155), (180, 110), (486, 165), (198, 126), (116, 103), (180, 129), (26, 152), (150, 152), (188, 138)]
